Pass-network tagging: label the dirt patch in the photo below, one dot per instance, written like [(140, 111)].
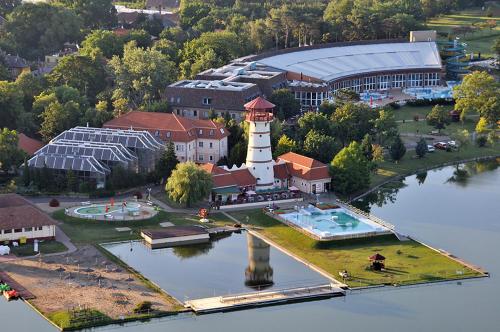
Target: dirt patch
[(83, 278)]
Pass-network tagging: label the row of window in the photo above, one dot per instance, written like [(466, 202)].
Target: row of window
[(20, 230), (310, 98), (202, 158), (384, 82)]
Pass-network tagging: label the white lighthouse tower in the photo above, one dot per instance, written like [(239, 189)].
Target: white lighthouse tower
[(259, 113)]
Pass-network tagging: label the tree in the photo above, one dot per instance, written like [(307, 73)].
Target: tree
[(351, 122), (482, 126), (462, 137), (191, 12), (367, 147), (286, 104), (36, 29), (314, 121), (141, 75), (188, 184), (10, 155), (7, 6), (81, 72), (421, 148), (350, 170), (102, 41), (397, 149), (479, 92), (167, 162), (210, 50), (438, 117), (60, 108), (285, 144), (11, 105), (385, 126), (320, 147), (95, 14)]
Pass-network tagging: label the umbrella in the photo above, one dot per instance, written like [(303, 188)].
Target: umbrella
[(293, 188), (377, 257), (250, 192)]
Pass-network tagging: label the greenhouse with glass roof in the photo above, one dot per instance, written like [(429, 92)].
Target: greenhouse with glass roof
[(92, 153)]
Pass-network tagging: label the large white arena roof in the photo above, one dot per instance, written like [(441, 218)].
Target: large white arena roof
[(331, 63)]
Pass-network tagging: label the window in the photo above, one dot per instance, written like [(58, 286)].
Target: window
[(172, 100), (39, 228), (178, 100), (200, 144), (7, 231), (195, 113), (383, 82), (211, 145), (207, 101), (211, 158), (211, 133), (398, 80), (18, 230), (178, 111), (28, 229), (415, 80), (179, 148), (371, 83), (168, 134), (157, 133), (201, 131), (200, 157)]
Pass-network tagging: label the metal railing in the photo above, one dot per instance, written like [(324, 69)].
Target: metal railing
[(368, 215)]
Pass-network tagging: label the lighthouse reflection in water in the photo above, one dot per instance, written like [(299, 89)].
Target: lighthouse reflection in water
[(258, 274)]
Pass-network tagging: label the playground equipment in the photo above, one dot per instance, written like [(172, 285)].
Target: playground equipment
[(454, 55)]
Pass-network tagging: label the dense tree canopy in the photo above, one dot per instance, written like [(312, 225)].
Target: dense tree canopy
[(95, 13), (350, 170), (438, 117), (39, 29), (141, 75), (286, 104), (479, 92), (10, 155)]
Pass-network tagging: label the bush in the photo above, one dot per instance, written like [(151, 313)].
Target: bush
[(481, 141), (138, 195), (143, 306), (54, 202)]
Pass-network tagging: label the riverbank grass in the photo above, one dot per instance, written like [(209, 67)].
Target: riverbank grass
[(45, 247), (407, 262), (85, 231)]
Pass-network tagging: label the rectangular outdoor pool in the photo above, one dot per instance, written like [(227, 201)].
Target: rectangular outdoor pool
[(333, 224)]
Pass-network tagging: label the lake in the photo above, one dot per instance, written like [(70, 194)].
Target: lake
[(458, 213)]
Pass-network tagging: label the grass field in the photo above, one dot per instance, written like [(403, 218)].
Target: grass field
[(46, 247), (84, 231), (406, 262), (479, 41)]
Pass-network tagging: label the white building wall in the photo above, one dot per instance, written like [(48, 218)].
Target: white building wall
[(307, 186), (35, 232)]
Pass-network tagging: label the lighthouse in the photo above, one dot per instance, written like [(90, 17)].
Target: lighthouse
[(259, 114)]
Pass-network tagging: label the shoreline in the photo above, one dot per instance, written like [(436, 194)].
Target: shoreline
[(420, 170)]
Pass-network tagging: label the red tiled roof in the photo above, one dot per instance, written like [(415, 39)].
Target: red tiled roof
[(304, 167), (169, 126), (281, 171), (259, 103), (243, 177), (28, 144), (17, 212), (223, 178)]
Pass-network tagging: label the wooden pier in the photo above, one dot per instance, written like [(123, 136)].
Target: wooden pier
[(264, 298), (215, 231), (23, 292)]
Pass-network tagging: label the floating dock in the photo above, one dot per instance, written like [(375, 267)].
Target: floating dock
[(264, 298)]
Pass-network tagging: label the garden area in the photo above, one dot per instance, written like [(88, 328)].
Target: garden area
[(407, 262), (86, 231)]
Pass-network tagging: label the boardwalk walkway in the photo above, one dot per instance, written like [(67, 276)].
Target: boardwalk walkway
[(239, 301)]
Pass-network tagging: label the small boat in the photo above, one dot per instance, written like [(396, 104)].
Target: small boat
[(11, 294)]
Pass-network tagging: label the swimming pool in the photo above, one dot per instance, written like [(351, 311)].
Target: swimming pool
[(333, 224), (430, 93)]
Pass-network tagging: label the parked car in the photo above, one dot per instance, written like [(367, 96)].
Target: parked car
[(430, 148), (441, 145), (452, 144)]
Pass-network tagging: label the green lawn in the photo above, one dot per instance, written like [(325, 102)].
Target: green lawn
[(84, 231), (406, 262), (45, 247), (480, 41)]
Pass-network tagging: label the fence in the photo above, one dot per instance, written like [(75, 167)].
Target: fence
[(368, 216)]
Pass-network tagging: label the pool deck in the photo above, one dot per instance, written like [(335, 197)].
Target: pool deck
[(264, 298)]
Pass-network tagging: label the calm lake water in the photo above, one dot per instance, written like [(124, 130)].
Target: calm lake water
[(461, 215), (230, 265)]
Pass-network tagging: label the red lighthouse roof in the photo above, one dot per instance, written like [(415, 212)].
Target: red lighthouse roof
[(259, 103)]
